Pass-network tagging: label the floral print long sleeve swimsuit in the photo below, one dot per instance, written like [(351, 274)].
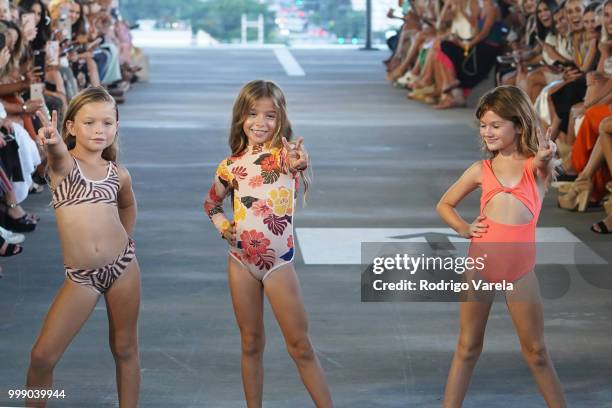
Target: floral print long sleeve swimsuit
[(264, 193)]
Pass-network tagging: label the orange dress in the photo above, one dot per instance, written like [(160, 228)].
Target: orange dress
[(508, 250)]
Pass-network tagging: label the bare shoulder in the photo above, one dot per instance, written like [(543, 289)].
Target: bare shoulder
[(473, 173), (124, 175)]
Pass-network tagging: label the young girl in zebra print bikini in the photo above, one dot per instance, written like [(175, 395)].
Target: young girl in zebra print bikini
[(96, 212)]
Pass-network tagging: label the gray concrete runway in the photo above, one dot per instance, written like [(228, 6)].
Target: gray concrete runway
[(379, 161)]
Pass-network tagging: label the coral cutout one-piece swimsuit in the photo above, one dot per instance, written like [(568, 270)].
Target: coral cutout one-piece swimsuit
[(509, 249), (263, 202)]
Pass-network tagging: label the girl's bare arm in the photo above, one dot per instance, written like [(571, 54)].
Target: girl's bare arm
[(126, 201), (58, 159), (468, 182), (213, 204)]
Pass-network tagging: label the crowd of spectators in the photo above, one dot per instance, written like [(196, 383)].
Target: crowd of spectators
[(558, 52), (49, 51)]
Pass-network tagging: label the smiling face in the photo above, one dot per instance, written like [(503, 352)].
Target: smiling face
[(94, 126), (573, 12), (497, 133), (544, 15), (261, 121)]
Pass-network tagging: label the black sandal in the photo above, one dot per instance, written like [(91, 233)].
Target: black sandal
[(22, 224), (603, 228), (11, 249), (562, 175)]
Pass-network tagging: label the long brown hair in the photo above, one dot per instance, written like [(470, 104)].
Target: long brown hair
[(18, 50), (90, 95), (512, 103), (247, 97), (249, 94)]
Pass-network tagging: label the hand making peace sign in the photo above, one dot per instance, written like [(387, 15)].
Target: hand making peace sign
[(546, 147), (296, 155), (48, 134)]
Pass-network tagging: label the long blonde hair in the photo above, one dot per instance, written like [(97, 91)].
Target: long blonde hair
[(512, 103), (86, 96), (604, 31), (246, 99), (55, 6)]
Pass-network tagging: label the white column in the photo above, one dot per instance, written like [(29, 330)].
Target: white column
[(244, 29)]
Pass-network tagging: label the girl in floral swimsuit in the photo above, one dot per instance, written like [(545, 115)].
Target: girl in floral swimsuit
[(261, 176)]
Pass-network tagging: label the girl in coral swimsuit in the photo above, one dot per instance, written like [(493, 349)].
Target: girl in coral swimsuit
[(262, 176), (513, 181)]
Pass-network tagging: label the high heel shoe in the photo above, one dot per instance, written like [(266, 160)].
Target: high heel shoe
[(577, 198)]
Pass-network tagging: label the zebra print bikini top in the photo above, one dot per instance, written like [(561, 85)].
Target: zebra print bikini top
[(76, 189)]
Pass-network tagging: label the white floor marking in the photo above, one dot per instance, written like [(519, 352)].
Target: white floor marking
[(342, 246), (289, 63)]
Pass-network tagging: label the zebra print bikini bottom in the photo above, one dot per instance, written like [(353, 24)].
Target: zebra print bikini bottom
[(101, 279)]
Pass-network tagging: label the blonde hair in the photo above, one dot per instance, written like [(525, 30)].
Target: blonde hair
[(55, 8), (90, 95), (604, 31), (512, 104), (246, 99)]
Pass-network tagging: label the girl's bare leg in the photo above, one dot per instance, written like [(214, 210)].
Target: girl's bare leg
[(473, 316), (122, 307), (525, 307), (67, 314), (283, 291), (247, 299)]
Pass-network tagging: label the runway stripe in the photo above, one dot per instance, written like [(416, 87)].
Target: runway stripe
[(291, 66), (342, 246)]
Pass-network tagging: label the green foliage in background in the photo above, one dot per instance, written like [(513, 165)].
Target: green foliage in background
[(162, 10), (336, 16), (222, 18)]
